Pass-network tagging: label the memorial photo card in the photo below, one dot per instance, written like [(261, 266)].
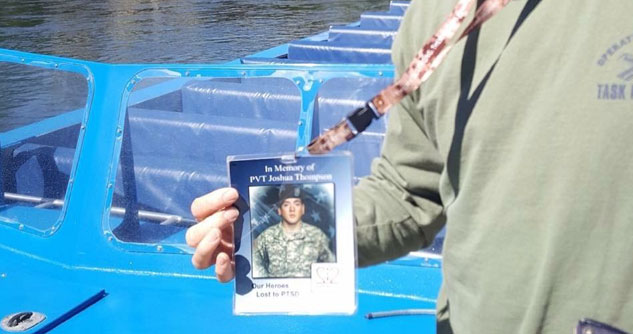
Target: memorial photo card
[(294, 245)]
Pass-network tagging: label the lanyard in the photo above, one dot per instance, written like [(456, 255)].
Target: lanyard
[(424, 63)]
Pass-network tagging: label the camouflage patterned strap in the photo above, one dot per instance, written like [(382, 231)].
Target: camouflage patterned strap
[(425, 62)]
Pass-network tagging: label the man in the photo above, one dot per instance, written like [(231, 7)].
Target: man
[(524, 149), (289, 248)]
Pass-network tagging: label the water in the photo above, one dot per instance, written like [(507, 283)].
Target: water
[(144, 31), (163, 31)]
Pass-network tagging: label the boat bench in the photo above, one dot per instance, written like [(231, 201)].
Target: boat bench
[(253, 98), (337, 98), (380, 20), (222, 118), (382, 38), (275, 100), (339, 52), (23, 165), (181, 154), (184, 154), (205, 138), (175, 156), (398, 7), (366, 42)]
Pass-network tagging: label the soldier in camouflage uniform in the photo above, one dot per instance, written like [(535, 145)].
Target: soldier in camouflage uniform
[(289, 248)]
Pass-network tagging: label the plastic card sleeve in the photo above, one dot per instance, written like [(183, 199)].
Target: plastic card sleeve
[(295, 250)]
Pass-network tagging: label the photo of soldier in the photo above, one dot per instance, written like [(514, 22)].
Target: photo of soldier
[(293, 227)]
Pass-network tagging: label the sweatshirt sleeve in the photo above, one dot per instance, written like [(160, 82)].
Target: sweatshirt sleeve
[(397, 209)]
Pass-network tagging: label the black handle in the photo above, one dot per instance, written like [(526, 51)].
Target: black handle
[(19, 318)]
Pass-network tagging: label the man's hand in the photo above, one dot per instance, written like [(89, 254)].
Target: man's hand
[(212, 236)]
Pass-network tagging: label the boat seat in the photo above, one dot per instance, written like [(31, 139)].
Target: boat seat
[(398, 7), (169, 185), (190, 150), (364, 148), (366, 42), (380, 20), (206, 138), (30, 168), (162, 184), (38, 170), (339, 96), (337, 52), (254, 98), (168, 148), (347, 34), (336, 99)]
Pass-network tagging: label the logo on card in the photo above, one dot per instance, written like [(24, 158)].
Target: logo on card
[(618, 59), (325, 275)]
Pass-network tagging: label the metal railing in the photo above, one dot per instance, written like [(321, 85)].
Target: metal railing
[(150, 216)]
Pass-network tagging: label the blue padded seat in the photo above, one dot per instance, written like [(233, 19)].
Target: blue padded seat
[(337, 98), (170, 185), (367, 41), (40, 166), (364, 148), (176, 157), (161, 184), (337, 52), (179, 156), (255, 98), (398, 7), (380, 20), (382, 38), (206, 138), (183, 154), (155, 177), (41, 170)]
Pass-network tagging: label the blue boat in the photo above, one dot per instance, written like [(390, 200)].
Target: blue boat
[(96, 188)]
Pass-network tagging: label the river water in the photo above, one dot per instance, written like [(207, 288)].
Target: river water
[(143, 31), (167, 31)]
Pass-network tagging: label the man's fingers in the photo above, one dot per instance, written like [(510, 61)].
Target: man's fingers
[(203, 257), (224, 268), (213, 236), (208, 204), (220, 220)]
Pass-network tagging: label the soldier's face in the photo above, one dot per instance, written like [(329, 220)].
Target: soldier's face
[(291, 210)]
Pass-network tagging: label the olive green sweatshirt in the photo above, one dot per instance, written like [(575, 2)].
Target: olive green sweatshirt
[(529, 164)]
